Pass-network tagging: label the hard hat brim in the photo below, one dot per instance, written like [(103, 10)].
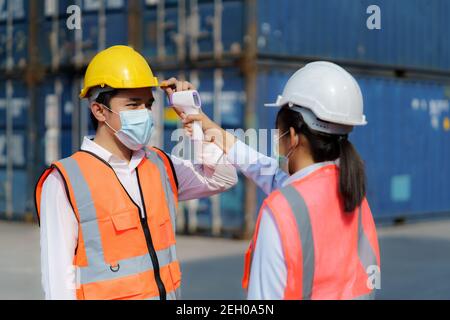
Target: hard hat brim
[(84, 92)]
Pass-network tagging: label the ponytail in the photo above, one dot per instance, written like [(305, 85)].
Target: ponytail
[(352, 178), (326, 147)]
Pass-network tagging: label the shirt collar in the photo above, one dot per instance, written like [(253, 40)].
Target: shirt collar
[(308, 170), (91, 146)]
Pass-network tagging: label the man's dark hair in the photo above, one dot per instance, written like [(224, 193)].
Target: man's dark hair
[(105, 99)]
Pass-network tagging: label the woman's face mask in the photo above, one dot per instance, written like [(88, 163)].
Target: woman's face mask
[(283, 160), (136, 128)]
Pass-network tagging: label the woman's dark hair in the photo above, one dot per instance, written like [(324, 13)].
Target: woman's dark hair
[(103, 98), (327, 147)]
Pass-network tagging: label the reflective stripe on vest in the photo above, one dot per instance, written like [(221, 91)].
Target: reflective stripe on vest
[(298, 207), (98, 272), (154, 157), (365, 253)]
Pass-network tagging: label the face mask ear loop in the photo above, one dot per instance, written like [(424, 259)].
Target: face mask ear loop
[(107, 108), (295, 147), (115, 131)]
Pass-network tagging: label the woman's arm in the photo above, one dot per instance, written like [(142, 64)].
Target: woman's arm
[(263, 170), (200, 180), (213, 174)]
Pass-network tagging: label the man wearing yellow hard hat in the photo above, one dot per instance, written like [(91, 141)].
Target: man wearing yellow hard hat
[(107, 213)]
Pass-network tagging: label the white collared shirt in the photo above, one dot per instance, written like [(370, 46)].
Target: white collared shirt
[(268, 272), (59, 227)]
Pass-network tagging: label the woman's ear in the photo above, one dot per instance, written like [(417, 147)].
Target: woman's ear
[(294, 138), (98, 111)]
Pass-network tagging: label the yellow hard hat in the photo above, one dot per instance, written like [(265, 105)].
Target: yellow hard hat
[(118, 67)]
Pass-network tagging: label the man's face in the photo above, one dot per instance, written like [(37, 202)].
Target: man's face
[(128, 99)]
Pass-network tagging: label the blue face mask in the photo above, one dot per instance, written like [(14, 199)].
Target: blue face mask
[(283, 161), (136, 128)]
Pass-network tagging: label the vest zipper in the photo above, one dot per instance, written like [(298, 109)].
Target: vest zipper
[(145, 228), (150, 246)]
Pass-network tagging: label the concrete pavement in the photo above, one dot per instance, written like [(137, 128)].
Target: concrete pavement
[(415, 263)]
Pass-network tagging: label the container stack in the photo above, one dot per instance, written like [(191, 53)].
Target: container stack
[(239, 53), (14, 22)]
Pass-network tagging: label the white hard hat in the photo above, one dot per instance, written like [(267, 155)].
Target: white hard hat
[(329, 98)]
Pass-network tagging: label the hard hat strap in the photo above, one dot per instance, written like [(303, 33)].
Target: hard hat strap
[(95, 92)]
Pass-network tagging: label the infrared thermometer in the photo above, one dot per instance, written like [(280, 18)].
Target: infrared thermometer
[(190, 103)]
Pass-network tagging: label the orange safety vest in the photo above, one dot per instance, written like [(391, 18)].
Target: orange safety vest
[(122, 253), (329, 253)]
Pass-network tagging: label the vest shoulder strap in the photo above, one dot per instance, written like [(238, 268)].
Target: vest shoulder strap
[(38, 191), (292, 217), (170, 169), (59, 167)]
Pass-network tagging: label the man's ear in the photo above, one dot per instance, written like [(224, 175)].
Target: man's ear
[(98, 111)]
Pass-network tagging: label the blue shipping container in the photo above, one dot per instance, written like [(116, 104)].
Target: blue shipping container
[(14, 95), (17, 147), (58, 43), (115, 32), (13, 175), (62, 46), (413, 34), (200, 28), (231, 28), (152, 29), (61, 126), (19, 196), (56, 90), (17, 10), (15, 56), (59, 8)]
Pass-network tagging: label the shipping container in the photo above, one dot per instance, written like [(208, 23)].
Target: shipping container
[(63, 119), (14, 198), (13, 35), (413, 34), (221, 27), (16, 11), (160, 30), (211, 43), (13, 95), (102, 24), (58, 43), (14, 146), (405, 146), (192, 28)]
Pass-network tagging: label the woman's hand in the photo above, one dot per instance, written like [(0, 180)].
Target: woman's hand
[(203, 119), (173, 85), (212, 131)]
